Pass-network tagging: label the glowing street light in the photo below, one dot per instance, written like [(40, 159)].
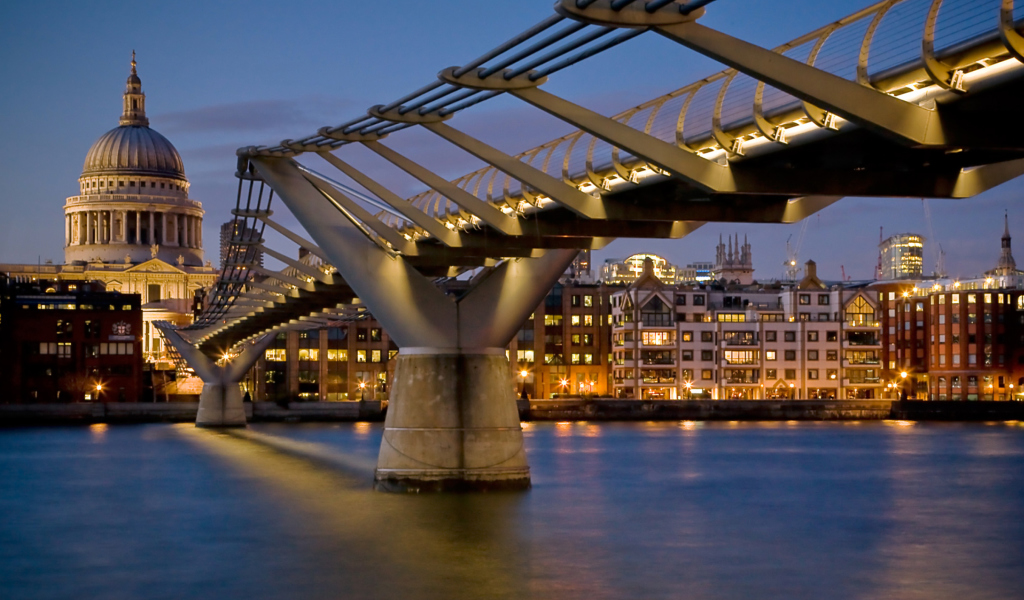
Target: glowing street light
[(524, 373), (903, 374)]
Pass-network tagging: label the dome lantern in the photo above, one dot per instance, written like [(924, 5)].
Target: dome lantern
[(134, 112)]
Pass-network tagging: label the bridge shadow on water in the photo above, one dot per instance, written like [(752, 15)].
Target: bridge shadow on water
[(378, 545)]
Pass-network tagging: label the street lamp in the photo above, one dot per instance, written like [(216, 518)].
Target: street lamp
[(689, 389), (522, 387)]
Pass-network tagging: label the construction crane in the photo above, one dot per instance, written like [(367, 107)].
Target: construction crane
[(793, 254)]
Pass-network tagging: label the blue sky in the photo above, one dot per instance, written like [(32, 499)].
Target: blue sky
[(223, 75)]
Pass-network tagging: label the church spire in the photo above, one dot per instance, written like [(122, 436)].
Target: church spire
[(134, 111)]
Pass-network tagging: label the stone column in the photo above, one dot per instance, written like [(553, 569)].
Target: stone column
[(138, 227), (88, 227), (152, 228), (199, 232), (165, 239), (67, 230), (124, 227)]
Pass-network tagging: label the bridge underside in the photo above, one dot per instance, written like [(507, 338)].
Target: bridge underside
[(945, 124)]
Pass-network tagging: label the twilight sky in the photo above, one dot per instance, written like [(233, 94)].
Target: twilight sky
[(222, 75)]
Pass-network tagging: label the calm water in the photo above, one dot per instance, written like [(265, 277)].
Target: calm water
[(667, 510)]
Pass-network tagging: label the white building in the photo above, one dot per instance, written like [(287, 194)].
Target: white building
[(745, 342), (133, 225)]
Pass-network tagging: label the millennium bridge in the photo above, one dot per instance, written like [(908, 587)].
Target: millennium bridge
[(905, 98)]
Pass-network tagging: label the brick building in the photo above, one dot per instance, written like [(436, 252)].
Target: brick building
[(67, 341)]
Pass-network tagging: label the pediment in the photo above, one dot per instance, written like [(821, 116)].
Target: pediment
[(155, 265)]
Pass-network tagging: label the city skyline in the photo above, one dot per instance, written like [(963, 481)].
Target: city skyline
[(207, 112)]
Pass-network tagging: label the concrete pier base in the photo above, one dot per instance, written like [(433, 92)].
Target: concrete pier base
[(220, 405), (452, 424)]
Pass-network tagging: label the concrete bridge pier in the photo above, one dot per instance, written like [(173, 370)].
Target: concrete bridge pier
[(452, 422), (220, 402)]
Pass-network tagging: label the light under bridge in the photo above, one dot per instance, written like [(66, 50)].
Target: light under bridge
[(905, 98)]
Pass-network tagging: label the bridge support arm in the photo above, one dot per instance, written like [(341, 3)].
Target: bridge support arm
[(874, 110), (220, 402)]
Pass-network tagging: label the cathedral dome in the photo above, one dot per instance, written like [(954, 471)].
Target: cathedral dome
[(133, 148)]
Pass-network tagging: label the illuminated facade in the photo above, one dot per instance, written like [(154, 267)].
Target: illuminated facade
[(901, 257), (745, 342), (624, 272)]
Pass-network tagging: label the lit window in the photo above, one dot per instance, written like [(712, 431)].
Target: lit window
[(276, 355), (588, 320), (361, 356), (575, 320), (375, 356)]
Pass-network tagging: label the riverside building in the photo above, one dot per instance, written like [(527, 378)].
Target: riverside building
[(133, 226), (69, 341), (745, 341), (956, 340)]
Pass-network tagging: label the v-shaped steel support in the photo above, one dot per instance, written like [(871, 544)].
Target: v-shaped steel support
[(220, 403), (452, 420)]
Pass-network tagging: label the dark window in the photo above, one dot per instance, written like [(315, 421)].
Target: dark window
[(790, 354), (805, 298), (769, 336), (707, 336), (698, 300), (831, 336), (789, 336), (822, 299), (707, 355), (153, 292)]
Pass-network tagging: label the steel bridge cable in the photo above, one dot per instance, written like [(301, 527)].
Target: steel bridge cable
[(427, 99), (423, 90), (462, 95), (618, 5), (533, 48), (583, 40), (689, 7), (480, 98), (349, 190), (512, 43), (596, 49)]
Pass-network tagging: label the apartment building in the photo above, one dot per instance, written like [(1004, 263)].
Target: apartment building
[(745, 341)]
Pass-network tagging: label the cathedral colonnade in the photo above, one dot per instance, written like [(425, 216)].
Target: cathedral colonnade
[(101, 226)]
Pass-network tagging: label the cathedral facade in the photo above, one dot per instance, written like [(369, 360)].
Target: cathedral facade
[(133, 226)]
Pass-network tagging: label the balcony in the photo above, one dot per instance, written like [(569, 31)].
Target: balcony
[(863, 380), (862, 343), (666, 379), (741, 377), (665, 320), (862, 361), (740, 342), (658, 361), (860, 324)]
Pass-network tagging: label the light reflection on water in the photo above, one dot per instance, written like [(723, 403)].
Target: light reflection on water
[(647, 510)]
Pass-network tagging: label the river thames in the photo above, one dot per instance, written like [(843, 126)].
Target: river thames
[(646, 510)]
